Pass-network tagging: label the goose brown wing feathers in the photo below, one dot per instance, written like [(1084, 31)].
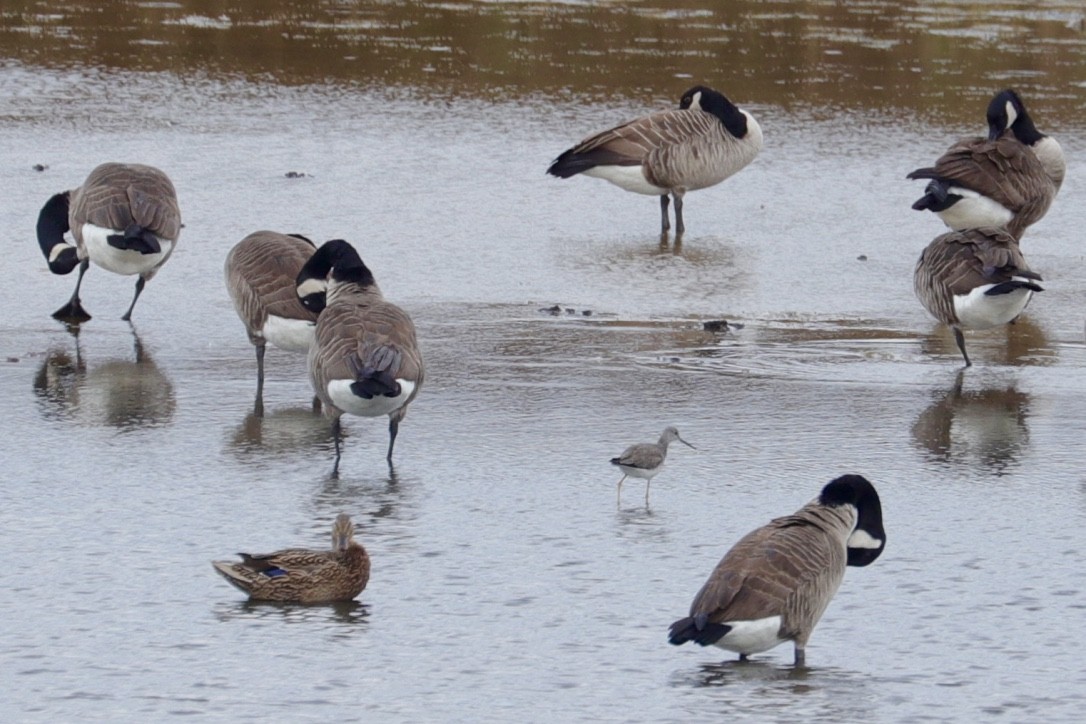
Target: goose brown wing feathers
[(260, 274), (632, 143), (116, 196), (770, 569)]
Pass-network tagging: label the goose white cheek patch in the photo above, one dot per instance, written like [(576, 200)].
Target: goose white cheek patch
[(862, 539), (311, 286)]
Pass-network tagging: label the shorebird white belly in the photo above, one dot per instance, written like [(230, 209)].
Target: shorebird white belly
[(643, 473), (339, 391), (120, 261)]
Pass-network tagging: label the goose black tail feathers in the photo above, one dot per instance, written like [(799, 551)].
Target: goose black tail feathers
[(135, 238), (1011, 286), (697, 629)]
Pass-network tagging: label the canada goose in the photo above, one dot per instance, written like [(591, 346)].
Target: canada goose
[(974, 279), (775, 583), (261, 273), (644, 460), (998, 181), (365, 359), (1007, 111), (298, 575), (124, 218), (670, 152)]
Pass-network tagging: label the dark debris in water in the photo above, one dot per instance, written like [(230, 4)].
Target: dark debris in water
[(296, 174), (39, 167), (558, 309), (720, 325), (862, 257)]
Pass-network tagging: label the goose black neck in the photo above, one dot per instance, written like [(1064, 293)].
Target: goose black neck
[(53, 222), (717, 104)]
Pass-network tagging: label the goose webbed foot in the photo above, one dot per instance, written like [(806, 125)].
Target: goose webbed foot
[(72, 312)]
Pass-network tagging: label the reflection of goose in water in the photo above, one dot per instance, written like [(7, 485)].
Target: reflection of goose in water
[(988, 426), (1020, 343), (118, 393), (280, 432)]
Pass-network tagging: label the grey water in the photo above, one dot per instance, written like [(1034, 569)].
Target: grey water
[(506, 583)]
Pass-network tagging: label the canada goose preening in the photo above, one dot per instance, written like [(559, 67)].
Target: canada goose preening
[(261, 276), (1007, 112), (365, 358), (299, 575), (124, 218), (644, 460), (974, 279), (1008, 179), (670, 152), (775, 583)]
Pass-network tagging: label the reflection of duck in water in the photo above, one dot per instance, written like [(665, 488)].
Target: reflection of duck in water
[(117, 393), (988, 426)]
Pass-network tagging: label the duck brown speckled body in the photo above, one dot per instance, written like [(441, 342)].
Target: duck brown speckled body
[(299, 575)]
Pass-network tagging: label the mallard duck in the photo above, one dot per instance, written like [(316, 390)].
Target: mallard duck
[(299, 575)]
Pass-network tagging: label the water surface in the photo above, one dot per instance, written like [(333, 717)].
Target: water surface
[(506, 582)]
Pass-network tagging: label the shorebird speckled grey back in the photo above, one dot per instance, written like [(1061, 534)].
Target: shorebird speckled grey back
[(775, 583), (670, 152), (645, 460), (125, 218)]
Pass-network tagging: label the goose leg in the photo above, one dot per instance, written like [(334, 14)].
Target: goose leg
[(743, 657), (679, 227), (665, 222), (73, 311), (139, 288), (960, 339), (316, 405), (258, 406), (336, 430), (393, 429), (801, 657)]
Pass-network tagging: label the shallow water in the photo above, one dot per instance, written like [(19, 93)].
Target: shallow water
[(506, 583)]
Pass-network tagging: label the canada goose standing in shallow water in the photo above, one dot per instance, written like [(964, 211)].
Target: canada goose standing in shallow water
[(365, 359), (124, 218), (261, 276), (298, 575), (974, 279), (775, 583), (670, 152), (644, 460), (1008, 179)]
